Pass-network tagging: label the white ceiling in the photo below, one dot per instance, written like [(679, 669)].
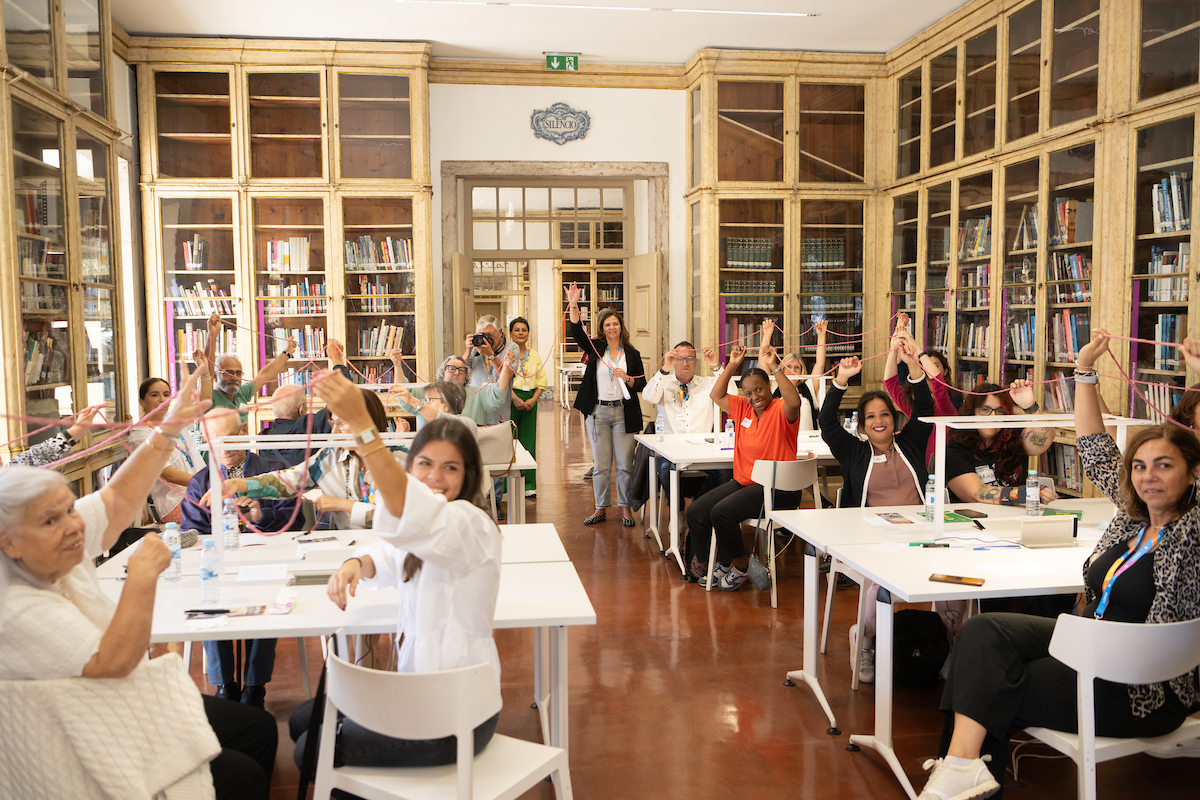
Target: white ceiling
[(502, 31)]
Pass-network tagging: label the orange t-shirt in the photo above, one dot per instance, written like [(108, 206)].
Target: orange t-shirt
[(767, 438)]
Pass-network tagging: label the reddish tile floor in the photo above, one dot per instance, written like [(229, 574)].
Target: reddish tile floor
[(677, 693)]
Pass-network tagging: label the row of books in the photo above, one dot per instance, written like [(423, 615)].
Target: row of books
[(975, 237), (1061, 462), (310, 341), (612, 295), (1168, 328), (823, 253), (975, 282), (1071, 221), (973, 338), (195, 252), (971, 376), (1171, 203), (1026, 237), (39, 261), (841, 286), (1162, 399), (386, 254), (94, 260), (1075, 267), (43, 298), (36, 214), (1168, 259), (378, 341), (1022, 338), (374, 373), (191, 338), (907, 280), (289, 255), (296, 298), (1070, 329), (299, 377), (1060, 392), (378, 305), (748, 252), (937, 328), (201, 299), (818, 306), (45, 359)]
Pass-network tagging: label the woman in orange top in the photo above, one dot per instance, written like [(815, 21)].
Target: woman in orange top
[(765, 430)]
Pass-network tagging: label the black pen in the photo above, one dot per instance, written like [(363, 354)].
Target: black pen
[(207, 611), (978, 524), (352, 543)]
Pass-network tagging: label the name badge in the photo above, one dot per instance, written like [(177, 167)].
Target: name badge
[(882, 459), (987, 475), (747, 422), (681, 420)]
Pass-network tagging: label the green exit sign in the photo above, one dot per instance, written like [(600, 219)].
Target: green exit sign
[(555, 63)]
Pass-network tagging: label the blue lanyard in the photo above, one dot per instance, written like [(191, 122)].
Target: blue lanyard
[(1120, 565), (182, 447), (614, 362)]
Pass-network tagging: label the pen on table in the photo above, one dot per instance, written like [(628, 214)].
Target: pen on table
[(978, 524), (207, 611), (352, 542)]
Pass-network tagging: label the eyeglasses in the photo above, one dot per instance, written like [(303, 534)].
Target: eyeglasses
[(459, 370), (237, 373), (686, 360), (988, 411)]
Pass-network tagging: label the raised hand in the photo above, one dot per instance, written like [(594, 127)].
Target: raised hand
[(1021, 392), (710, 357), (83, 421), (336, 353), (1093, 349), (343, 398), (1191, 353), (669, 358), (574, 293), (847, 369), (901, 323), (214, 325), (768, 359), (908, 354), (821, 327), (737, 354), (290, 347), (186, 407)]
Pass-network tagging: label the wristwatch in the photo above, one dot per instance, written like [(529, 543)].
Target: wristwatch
[(663, 372), (366, 437)]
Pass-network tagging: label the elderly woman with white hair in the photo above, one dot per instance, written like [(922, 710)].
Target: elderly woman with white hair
[(144, 730)]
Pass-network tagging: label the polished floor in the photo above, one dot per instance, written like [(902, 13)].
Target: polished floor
[(676, 693)]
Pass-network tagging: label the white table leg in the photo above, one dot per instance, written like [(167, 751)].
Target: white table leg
[(558, 689), (516, 498), (652, 504), (809, 673), (673, 526), (540, 699), (881, 741)]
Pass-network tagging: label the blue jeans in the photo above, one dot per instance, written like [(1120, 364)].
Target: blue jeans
[(606, 431), (260, 662)]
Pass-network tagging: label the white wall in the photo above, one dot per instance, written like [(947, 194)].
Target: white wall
[(491, 123)]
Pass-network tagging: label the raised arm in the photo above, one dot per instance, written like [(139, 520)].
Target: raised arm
[(573, 294), (769, 360), (276, 365), (127, 637), (720, 390), (1035, 440), (822, 328), (832, 433), (1088, 418)]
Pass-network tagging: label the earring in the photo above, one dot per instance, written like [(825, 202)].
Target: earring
[(1191, 501)]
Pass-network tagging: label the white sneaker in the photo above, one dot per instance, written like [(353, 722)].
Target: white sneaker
[(1188, 748), (952, 782), (866, 658)]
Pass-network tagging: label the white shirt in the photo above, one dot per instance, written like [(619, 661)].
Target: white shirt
[(447, 609), (693, 415), (609, 385), (185, 458)]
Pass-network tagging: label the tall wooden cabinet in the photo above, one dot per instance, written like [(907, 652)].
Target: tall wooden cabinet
[(293, 201), (59, 241)]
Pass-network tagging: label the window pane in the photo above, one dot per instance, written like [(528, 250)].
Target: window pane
[(589, 202), (537, 235), (511, 235), (29, 39), (85, 67), (537, 202), (614, 199), (484, 236), (562, 200), (91, 162), (483, 201), (510, 201)]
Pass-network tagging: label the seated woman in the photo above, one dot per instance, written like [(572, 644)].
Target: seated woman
[(347, 492), (765, 429), (1002, 678), (167, 494), (441, 550), (438, 399), (887, 468), (56, 623)]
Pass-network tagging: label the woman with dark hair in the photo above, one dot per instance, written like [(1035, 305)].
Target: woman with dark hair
[(347, 493), (1144, 569), (1187, 411), (764, 430), (185, 459), (528, 383), (989, 465), (440, 550), (937, 370), (886, 468), (608, 398)]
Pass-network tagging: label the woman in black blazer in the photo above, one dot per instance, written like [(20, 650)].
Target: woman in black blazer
[(608, 400)]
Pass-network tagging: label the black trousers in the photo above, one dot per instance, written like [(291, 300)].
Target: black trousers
[(248, 737), (721, 510), (1004, 678)]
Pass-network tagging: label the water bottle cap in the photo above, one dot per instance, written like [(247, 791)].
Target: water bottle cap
[(209, 542), (171, 526)]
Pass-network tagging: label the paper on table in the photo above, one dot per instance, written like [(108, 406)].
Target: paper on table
[(312, 494), (1015, 570), (263, 572)]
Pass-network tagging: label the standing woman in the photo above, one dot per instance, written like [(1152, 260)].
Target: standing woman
[(608, 400), (185, 459), (528, 383)]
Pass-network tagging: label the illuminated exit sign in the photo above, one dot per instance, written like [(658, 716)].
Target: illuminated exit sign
[(560, 63)]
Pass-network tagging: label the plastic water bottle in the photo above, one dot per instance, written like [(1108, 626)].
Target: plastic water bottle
[(171, 539), (660, 427), (852, 425), (229, 522), (931, 497), (1033, 495), (210, 568)]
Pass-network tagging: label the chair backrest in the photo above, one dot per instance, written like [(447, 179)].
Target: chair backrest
[(1126, 652), (414, 705), (783, 476)]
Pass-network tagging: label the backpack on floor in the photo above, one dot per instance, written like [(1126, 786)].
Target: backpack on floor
[(920, 647)]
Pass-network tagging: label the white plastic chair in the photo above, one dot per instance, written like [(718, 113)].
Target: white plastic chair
[(783, 476), (1120, 652), (431, 705)]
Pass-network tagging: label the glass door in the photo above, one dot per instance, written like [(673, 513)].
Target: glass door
[(1018, 283)]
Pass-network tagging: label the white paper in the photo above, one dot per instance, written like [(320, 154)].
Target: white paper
[(1015, 570), (312, 494), (263, 572)]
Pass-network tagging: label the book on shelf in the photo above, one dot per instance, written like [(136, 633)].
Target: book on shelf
[(977, 281), (289, 255), (823, 253), (193, 337), (974, 237), (310, 340), (1060, 392), (748, 252), (386, 254), (971, 376), (43, 297), (299, 377), (1061, 462), (1023, 338), (296, 298), (195, 252), (1160, 398), (378, 341), (1171, 203), (1167, 259), (1026, 237), (45, 359), (201, 299), (1070, 329), (973, 339), (1076, 267), (749, 296), (1072, 221), (938, 332), (1169, 328)]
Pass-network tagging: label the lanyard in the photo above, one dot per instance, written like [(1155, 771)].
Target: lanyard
[(182, 447), (1120, 565), (684, 391), (614, 362)]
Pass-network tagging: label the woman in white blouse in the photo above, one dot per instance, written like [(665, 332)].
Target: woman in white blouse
[(184, 460), (440, 549)]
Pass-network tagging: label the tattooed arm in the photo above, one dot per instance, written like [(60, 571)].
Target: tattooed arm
[(1035, 440)]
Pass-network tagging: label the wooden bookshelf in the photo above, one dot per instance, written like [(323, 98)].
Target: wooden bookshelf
[(909, 124), (831, 277), (29, 41), (1024, 94), (1169, 52), (906, 234), (286, 124), (976, 229), (943, 107), (1074, 60), (84, 54), (375, 126), (193, 122), (831, 133), (936, 279), (1021, 238), (750, 131), (980, 71), (752, 284)]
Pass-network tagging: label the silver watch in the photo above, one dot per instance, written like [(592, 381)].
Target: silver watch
[(366, 437)]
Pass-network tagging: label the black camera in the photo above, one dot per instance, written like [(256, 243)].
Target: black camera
[(481, 340)]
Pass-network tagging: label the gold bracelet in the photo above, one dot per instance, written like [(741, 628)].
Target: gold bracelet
[(364, 453), (167, 449)]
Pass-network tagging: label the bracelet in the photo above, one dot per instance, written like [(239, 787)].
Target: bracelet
[(1033, 409), (663, 372), (364, 453), (776, 371), (170, 439), (353, 558), (420, 405), (1086, 376)]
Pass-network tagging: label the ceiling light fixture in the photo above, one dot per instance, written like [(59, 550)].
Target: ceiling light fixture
[(574, 7)]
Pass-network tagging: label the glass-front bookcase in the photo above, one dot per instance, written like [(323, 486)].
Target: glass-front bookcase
[(286, 119), (831, 276), (906, 233), (939, 245), (750, 131), (1018, 282), (751, 271), (976, 229), (374, 126), (194, 124)]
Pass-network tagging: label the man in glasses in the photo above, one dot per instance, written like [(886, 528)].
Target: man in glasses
[(485, 353), (481, 400), (229, 388), (683, 400)]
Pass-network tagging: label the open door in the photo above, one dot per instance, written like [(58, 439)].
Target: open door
[(643, 279), (464, 300)]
